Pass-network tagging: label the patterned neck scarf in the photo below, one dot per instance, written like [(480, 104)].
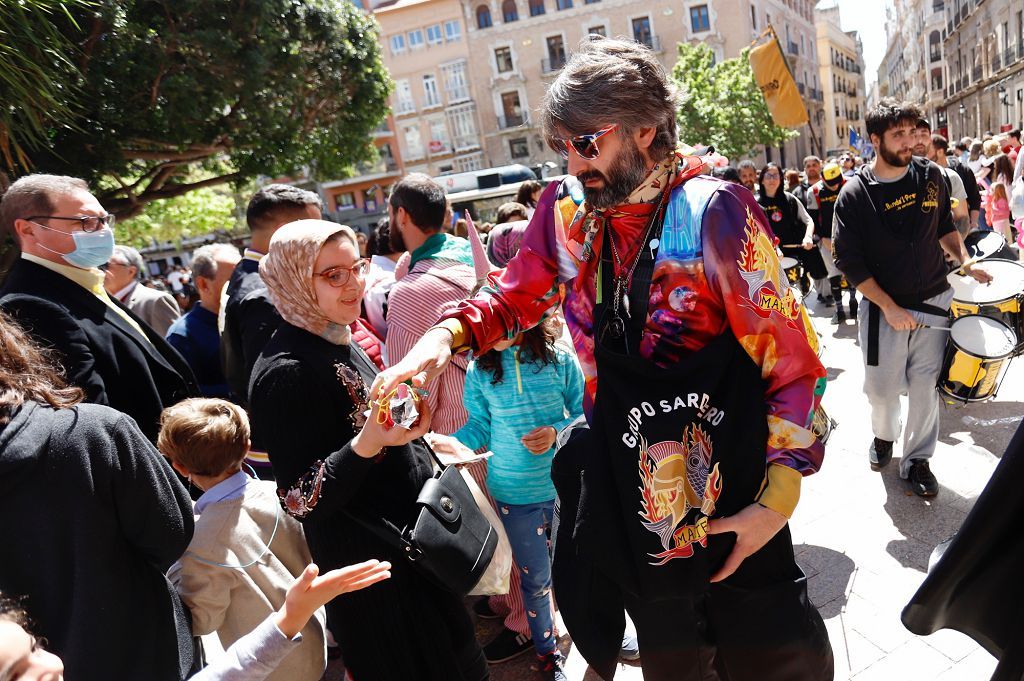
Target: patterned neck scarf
[(584, 231), (287, 270)]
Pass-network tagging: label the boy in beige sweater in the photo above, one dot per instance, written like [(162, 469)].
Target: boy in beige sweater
[(245, 551)]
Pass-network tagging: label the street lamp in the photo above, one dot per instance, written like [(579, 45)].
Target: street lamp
[(962, 110)]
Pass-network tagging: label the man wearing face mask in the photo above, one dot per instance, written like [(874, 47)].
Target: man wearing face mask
[(56, 292)]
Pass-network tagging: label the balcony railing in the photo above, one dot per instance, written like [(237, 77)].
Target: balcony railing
[(512, 121), (934, 56), (458, 93), (405, 107), (551, 65)]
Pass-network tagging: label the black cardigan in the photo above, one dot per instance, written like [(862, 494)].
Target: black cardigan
[(92, 518), (305, 413)]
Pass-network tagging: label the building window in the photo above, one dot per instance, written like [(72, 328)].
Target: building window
[(413, 142), (597, 30), (415, 39), (556, 53), (370, 200), (397, 44), (590, 2), (452, 30), (345, 200), (503, 59), (406, 104), (934, 47), (438, 137), (753, 17), (455, 84), (700, 21), (483, 16), (462, 122), (537, 8), (563, 4), (509, 11), (801, 44), (430, 94), (642, 31), (434, 34), (512, 110), (518, 147)]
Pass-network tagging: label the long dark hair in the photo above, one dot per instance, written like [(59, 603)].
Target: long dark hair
[(536, 347), (525, 193), (29, 373)]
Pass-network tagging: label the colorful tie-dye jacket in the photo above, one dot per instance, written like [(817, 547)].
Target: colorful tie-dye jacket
[(716, 271)]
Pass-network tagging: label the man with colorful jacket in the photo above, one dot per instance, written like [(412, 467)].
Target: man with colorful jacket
[(700, 391)]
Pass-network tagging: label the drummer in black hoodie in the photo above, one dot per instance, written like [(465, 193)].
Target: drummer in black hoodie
[(892, 223), (92, 518)]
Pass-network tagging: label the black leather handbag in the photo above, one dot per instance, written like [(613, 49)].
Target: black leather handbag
[(449, 540)]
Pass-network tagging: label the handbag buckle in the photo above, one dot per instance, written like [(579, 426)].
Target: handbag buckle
[(447, 505)]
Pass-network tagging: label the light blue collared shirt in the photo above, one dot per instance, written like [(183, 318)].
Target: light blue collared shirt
[(225, 490)]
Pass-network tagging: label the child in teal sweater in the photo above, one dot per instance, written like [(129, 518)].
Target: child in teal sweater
[(519, 396)]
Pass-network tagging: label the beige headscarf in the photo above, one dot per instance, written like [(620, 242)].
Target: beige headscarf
[(287, 270)]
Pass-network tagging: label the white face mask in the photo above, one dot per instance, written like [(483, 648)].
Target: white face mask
[(92, 249)]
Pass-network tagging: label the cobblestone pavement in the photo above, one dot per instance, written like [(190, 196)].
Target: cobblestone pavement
[(864, 540)]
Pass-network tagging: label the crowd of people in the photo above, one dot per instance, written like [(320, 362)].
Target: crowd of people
[(235, 469)]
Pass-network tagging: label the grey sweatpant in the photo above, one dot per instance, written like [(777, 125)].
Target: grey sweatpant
[(908, 363)]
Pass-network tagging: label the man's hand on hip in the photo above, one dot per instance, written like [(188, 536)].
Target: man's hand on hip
[(754, 527), (425, 361)]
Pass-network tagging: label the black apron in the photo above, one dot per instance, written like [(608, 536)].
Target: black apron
[(667, 449)]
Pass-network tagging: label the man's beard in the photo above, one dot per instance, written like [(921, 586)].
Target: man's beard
[(892, 157), (920, 150), (395, 238), (624, 175)]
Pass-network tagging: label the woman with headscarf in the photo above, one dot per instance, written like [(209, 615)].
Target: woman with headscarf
[(337, 469)]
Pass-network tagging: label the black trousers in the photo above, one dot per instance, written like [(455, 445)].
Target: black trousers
[(756, 626)]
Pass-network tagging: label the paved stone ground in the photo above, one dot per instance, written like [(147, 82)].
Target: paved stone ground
[(864, 539)]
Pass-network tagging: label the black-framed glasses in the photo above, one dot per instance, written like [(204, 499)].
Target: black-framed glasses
[(88, 223), (584, 145), (339, 276), (772, 176)]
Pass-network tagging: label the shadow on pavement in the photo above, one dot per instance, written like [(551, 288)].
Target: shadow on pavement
[(828, 575), (991, 424), (924, 523)]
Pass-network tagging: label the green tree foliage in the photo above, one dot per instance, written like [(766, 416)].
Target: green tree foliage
[(36, 71), (722, 104), (179, 95), (208, 210)]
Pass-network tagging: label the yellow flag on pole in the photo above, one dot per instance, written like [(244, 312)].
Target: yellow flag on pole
[(773, 77)]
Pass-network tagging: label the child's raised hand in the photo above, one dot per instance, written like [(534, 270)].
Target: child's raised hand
[(309, 592), (540, 439)]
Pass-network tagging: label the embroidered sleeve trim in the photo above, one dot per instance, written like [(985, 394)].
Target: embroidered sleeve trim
[(300, 499)]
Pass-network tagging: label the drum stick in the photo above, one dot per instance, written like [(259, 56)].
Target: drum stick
[(937, 328)]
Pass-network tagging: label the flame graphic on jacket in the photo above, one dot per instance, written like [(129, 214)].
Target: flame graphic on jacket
[(677, 478)]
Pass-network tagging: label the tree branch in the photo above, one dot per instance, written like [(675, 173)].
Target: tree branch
[(128, 207), (188, 155)]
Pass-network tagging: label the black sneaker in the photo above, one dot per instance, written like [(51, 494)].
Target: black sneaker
[(839, 317), (879, 454), (482, 608), (507, 645), (853, 306), (921, 479), (551, 667)]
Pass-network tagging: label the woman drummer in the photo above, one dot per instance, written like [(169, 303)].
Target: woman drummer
[(792, 225)]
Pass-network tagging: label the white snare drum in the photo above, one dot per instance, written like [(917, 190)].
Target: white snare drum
[(1002, 298)]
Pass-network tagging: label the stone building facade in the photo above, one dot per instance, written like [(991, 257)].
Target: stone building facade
[(841, 68)]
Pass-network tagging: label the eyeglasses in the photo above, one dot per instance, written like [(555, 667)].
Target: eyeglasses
[(88, 223), (771, 176), (339, 276), (584, 145)]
